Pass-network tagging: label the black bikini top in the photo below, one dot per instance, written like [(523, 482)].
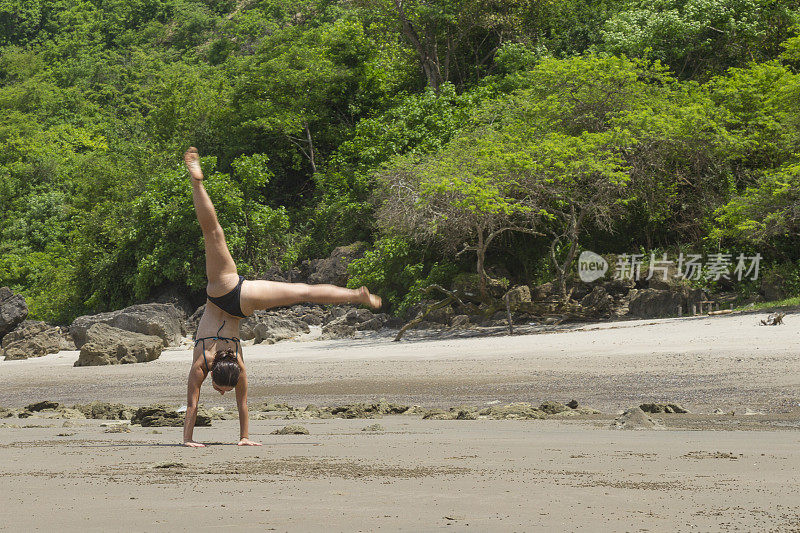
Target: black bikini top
[(216, 337)]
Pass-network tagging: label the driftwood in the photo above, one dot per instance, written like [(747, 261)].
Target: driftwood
[(774, 319), (451, 297), (720, 312)]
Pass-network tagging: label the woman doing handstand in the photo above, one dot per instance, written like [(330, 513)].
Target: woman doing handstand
[(230, 299)]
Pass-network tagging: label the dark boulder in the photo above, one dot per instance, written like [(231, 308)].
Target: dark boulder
[(654, 303), (107, 345), (159, 415), (662, 408), (41, 406), (13, 310), (598, 302)]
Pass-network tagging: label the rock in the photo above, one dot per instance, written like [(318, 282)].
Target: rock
[(105, 411), (31, 339), (662, 408), (719, 411), (573, 404), (41, 406), (107, 345), (271, 406), (161, 320), (159, 415), (552, 408), (373, 324), (274, 328), (545, 291), (521, 294), (373, 428), (66, 341), (13, 310), (368, 410), (635, 418), (618, 287), (194, 321), (654, 303), (338, 329), (291, 430), (311, 319), (598, 302), (520, 410), (333, 270), (439, 414)]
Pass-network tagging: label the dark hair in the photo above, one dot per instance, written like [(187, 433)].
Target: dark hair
[(225, 368)]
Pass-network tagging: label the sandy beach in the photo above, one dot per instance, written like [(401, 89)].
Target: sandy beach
[(738, 470)]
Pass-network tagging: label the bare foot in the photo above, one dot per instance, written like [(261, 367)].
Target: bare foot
[(366, 298), (192, 160)]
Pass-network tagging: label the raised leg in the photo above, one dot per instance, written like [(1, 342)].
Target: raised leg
[(220, 268), (261, 294)]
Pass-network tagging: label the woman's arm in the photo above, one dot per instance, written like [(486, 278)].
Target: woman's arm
[(196, 377), (244, 416)]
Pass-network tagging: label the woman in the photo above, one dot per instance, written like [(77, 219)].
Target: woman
[(230, 299)]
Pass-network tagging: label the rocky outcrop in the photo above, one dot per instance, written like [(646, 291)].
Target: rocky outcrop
[(517, 296), (107, 345), (598, 303), (333, 269), (162, 320), (13, 310), (273, 328), (343, 322), (159, 415), (105, 411), (31, 338), (655, 303), (519, 410), (662, 408), (338, 329)]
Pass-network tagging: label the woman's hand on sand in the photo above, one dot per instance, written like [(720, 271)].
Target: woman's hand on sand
[(248, 442), (193, 444)]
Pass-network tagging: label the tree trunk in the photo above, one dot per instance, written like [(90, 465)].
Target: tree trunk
[(481, 252)]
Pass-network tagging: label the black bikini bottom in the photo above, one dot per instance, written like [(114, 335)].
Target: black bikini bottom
[(231, 302)]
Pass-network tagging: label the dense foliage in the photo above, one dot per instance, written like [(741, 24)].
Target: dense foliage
[(516, 133)]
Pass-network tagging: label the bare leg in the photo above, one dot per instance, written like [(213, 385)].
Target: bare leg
[(261, 294), (220, 268)]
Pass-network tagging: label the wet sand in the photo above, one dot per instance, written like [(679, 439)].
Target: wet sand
[(705, 472)]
